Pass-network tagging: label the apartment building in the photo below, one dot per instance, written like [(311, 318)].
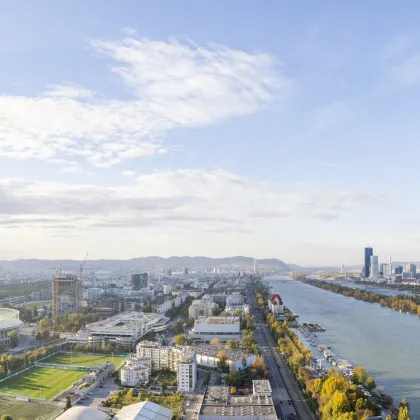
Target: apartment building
[(187, 371)]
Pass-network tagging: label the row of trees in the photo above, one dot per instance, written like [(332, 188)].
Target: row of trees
[(12, 364), (401, 302)]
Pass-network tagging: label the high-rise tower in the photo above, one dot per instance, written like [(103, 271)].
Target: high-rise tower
[(366, 268), (390, 266)]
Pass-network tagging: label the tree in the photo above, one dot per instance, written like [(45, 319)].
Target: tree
[(339, 403), (190, 322), (404, 403), (6, 417), (68, 403), (360, 375), (222, 360), (370, 383), (224, 313), (234, 378), (215, 310), (259, 366), (44, 324), (179, 328), (13, 338), (403, 413), (34, 312), (180, 339), (215, 342), (233, 344), (46, 334)]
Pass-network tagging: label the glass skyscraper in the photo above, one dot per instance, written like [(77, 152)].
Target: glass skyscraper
[(366, 268)]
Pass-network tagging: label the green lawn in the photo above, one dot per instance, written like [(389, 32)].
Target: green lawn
[(28, 410), (79, 359), (40, 382)]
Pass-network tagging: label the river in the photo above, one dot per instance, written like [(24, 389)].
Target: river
[(387, 343)]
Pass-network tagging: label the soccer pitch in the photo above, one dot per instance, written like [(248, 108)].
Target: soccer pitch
[(79, 359), (40, 382), (47, 382)]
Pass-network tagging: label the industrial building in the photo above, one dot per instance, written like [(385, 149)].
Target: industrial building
[(139, 281), (66, 295), (124, 329), (187, 371), (224, 328), (217, 404)]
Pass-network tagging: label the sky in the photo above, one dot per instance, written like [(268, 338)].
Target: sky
[(270, 129)]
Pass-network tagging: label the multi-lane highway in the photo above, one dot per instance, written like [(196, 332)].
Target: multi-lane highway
[(286, 396)]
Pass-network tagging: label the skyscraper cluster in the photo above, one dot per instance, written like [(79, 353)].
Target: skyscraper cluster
[(371, 270)]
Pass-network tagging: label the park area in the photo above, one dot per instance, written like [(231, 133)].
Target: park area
[(47, 381)]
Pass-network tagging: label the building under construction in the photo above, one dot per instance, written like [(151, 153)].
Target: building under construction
[(66, 295)]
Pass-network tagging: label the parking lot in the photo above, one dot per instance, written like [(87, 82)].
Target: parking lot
[(99, 394)]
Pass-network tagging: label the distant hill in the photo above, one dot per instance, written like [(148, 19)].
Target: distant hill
[(144, 263)]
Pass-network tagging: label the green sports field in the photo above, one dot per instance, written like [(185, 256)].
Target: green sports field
[(80, 359), (40, 382), (47, 382), (28, 410)]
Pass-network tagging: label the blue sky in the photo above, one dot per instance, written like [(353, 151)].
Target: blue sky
[(274, 129)]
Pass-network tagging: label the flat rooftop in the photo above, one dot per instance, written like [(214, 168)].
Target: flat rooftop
[(262, 385), (213, 351), (217, 320), (218, 403)]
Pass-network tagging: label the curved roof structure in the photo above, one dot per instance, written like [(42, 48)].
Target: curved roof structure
[(9, 319), (145, 410), (83, 413)]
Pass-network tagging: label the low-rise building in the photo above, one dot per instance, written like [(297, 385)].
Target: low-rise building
[(201, 308), (275, 304), (235, 299), (187, 371), (136, 371), (236, 359), (224, 328), (261, 388), (244, 308)]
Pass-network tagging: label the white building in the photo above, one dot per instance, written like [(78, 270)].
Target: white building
[(167, 289), (161, 357), (233, 308), (125, 329), (374, 271), (144, 410), (261, 388), (136, 371), (275, 304), (200, 308), (176, 302), (236, 359), (224, 328), (235, 299), (93, 293), (187, 371)]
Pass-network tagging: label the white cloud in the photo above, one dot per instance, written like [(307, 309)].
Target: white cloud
[(174, 85), (68, 91), (128, 174), (208, 199)]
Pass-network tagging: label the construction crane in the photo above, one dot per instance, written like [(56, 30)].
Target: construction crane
[(81, 277), (57, 269)]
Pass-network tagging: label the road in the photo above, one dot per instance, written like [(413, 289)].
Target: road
[(286, 396)]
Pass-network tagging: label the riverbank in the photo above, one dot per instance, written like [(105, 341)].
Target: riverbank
[(401, 303), (363, 333), (323, 386)]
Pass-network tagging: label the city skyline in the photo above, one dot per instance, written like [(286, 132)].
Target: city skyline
[(208, 129)]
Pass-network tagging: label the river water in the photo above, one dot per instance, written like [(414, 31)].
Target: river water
[(386, 342)]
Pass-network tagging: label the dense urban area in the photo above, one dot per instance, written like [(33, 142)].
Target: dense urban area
[(184, 342)]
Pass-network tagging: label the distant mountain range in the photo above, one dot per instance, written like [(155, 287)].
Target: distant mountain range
[(147, 263)]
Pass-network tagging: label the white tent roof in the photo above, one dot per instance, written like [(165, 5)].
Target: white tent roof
[(145, 410), (82, 413)]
